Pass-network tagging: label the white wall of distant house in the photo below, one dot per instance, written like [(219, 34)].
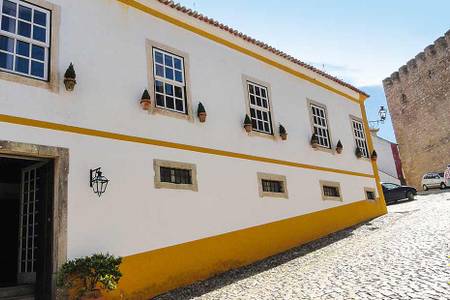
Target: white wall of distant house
[(385, 161)]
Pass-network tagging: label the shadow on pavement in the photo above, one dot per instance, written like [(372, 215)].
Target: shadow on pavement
[(202, 287)]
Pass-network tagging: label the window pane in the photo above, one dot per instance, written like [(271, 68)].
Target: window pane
[(9, 8), (169, 73), (39, 34), (263, 93), (252, 99), (8, 24), (168, 60), (257, 92), (23, 48), (37, 69), (169, 89), (159, 86), (169, 102), (25, 13), (159, 100), (177, 63), (159, 70), (179, 105), (250, 88), (24, 29), (178, 92), (178, 76), (6, 43), (40, 18), (38, 52), (6, 61), (22, 65), (158, 57), (258, 101)]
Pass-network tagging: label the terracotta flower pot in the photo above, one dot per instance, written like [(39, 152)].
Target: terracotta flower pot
[(339, 150), (145, 104), (248, 127), (315, 145), (70, 84), (202, 117), (283, 136)]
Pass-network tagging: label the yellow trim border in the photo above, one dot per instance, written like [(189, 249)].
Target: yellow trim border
[(152, 273), (134, 139), (153, 12)]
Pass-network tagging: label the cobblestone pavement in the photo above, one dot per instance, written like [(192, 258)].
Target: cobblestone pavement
[(402, 255)]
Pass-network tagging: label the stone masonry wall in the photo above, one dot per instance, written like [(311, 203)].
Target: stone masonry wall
[(418, 97)]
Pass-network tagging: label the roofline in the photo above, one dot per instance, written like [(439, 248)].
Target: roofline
[(213, 23)]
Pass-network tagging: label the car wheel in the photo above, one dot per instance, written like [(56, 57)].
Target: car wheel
[(425, 188), (410, 195), (443, 186)]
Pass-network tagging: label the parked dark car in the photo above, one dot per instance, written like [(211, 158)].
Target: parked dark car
[(394, 192)]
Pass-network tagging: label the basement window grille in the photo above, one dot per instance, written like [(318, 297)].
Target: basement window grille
[(272, 186), (176, 176)]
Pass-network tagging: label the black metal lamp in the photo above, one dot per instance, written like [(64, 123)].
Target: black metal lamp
[(382, 113), (98, 182)]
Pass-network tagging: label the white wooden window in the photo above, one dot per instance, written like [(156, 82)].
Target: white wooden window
[(170, 85), (259, 108), (360, 137), (24, 39), (320, 125)]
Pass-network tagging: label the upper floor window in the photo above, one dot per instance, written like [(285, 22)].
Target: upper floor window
[(170, 85), (320, 125), (24, 39), (360, 137), (259, 108)]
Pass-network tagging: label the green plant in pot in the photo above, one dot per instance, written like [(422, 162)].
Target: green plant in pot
[(145, 101), (70, 78), (283, 132), (88, 276), (201, 112), (314, 141), (247, 124), (374, 155), (358, 152), (339, 147)]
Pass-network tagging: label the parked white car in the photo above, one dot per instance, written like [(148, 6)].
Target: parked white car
[(434, 180)]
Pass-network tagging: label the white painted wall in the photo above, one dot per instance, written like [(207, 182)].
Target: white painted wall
[(108, 51), (385, 160)]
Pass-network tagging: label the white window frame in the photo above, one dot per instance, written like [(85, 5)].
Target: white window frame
[(174, 83), (317, 126), (261, 108), (16, 37), (360, 137)]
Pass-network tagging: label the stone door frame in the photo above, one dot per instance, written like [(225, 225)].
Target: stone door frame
[(60, 157)]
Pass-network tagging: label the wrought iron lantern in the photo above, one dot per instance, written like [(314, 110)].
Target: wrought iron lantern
[(382, 113), (98, 182)]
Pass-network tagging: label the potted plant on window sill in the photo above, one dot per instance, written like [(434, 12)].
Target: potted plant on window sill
[(374, 155), (145, 101), (201, 113), (70, 78), (339, 147), (283, 132), (247, 124), (88, 276), (314, 141), (358, 152)]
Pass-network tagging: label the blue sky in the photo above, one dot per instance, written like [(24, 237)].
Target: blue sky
[(360, 41)]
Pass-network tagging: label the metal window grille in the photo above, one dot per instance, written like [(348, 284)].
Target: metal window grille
[(360, 137), (370, 195), (176, 176), (259, 108), (272, 186), (331, 191), (24, 39), (320, 125), (170, 85)]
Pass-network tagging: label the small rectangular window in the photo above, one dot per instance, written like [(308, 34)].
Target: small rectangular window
[(320, 125), (331, 190), (370, 193), (175, 175), (259, 107), (170, 85), (271, 185), (24, 39), (360, 137)]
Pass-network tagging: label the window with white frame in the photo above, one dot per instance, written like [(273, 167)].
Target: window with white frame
[(24, 39), (170, 85), (259, 108), (320, 125), (360, 137)]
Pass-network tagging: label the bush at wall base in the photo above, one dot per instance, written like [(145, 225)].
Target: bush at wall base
[(88, 276)]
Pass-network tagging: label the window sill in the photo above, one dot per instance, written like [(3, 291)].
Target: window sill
[(51, 85), (263, 135), (165, 112), (323, 149)]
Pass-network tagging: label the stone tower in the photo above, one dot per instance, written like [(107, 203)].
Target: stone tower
[(418, 97)]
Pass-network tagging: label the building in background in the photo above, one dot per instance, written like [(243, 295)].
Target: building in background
[(389, 163), (418, 96)]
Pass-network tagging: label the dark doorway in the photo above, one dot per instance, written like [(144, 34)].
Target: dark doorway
[(26, 201)]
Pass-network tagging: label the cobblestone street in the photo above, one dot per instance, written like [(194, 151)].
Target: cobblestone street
[(402, 255)]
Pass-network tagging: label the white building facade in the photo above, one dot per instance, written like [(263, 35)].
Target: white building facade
[(388, 161), (186, 199)]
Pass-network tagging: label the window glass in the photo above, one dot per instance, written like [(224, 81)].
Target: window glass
[(360, 137), (320, 125), (259, 108)]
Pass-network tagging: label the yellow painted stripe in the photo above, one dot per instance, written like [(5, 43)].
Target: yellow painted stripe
[(222, 41), (147, 141), (151, 273)]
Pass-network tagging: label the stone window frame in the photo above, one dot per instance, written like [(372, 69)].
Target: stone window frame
[(331, 184), (309, 103), (52, 83), (368, 189), (245, 80), (158, 163), (274, 177), (189, 116), (358, 119)]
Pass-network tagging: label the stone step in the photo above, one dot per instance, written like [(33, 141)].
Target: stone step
[(17, 291)]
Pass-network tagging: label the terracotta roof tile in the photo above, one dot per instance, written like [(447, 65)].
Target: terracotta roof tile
[(261, 44)]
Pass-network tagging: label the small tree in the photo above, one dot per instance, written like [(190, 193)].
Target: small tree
[(247, 120), (358, 152), (145, 95), (200, 108), (70, 72), (282, 130), (90, 273)]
